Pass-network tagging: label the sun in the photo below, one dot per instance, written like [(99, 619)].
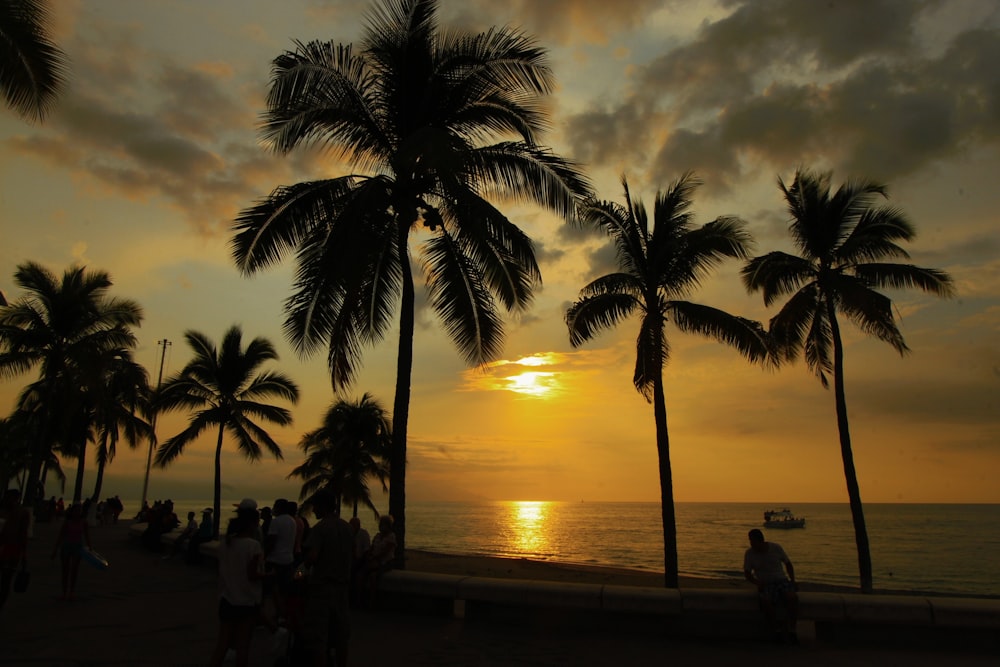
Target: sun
[(531, 383)]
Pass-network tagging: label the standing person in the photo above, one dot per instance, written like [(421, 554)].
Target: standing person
[(13, 539), (362, 543), (764, 565), (328, 550), (240, 573), (300, 529), (73, 536), (279, 556)]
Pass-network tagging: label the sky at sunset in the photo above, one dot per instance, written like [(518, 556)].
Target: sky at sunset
[(152, 149)]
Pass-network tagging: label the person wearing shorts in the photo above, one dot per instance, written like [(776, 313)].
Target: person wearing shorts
[(764, 565)]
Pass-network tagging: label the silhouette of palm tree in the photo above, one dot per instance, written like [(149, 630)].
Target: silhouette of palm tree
[(415, 109), (224, 389), (841, 238), (351, 447), (60, 326), (657, 268)]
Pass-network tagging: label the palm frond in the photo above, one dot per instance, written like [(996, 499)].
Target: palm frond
[(906, 276), (34, 68), (590, 315), (777, 274), (744, 335), (461, 297)]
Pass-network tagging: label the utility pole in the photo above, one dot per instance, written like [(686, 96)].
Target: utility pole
[(149, 457)]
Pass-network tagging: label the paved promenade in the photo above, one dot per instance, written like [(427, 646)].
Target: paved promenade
[(145, 610)]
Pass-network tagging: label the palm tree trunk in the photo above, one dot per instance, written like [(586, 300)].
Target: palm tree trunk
[(37, 455), (217, 497), (401, 404), (853, 488), (100, 479), (670, 566), (355, 508), (81, 461)]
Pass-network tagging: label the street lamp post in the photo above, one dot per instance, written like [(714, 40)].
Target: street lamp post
[(149, 456)]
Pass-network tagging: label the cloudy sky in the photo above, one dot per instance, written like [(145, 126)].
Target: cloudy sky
[(153, 149)]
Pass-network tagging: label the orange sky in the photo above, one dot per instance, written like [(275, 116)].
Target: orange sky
[(152, 150)]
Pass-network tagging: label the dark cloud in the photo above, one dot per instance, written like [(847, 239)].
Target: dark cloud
[(791, 83), (561, 21)]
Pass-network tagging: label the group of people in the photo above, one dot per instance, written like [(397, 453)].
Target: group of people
[(277, 570)]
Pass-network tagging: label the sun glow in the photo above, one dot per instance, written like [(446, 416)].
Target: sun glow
[(532, 383)]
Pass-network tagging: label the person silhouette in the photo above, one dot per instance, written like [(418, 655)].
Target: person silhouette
[(764, 565)]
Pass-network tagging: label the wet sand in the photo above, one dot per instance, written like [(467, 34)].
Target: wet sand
[(145, 610)]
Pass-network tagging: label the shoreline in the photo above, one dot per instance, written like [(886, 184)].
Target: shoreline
[(500, 567)]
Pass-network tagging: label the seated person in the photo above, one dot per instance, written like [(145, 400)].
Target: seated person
[(190, 530), (379, 558)]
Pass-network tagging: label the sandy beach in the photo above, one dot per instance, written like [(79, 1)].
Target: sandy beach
[(145, 610)]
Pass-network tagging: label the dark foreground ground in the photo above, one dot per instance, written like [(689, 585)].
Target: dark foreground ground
[(145, 610)]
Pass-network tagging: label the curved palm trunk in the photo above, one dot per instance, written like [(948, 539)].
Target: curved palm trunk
[(670, 566), (81, 463), (853, 489), (99, 482), (401, 405), (217, 498)]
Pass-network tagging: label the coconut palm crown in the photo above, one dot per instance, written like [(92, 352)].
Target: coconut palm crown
[(437, 126), (349, 449), (658, 267), (842, 238)]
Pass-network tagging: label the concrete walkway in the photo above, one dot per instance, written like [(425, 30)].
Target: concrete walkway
[(145, 610)]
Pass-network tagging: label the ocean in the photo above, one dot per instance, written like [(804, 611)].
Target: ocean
[(949, 548)]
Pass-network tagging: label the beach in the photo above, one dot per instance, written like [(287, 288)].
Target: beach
[(144, 610)]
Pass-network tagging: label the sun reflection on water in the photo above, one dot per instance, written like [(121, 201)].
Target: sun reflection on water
[(527, 532)]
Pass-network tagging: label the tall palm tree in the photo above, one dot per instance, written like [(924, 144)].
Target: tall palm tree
[(32, 68), (656, 269), (225, 390), (841, 237), (57, 326), (439, 125), (351, 447), (120, 409)]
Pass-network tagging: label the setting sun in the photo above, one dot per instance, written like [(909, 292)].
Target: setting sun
[(532, 383)]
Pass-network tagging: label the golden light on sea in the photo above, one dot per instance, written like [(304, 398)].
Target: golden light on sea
[(527, 531)]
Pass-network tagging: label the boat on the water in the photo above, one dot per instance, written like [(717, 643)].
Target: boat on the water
[(783, 518)]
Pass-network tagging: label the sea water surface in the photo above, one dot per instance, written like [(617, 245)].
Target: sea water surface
[(949, 548), (933, 548)]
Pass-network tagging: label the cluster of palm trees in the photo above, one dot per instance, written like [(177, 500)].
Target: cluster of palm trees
[(841, 235), (440, 125), (89, 387)]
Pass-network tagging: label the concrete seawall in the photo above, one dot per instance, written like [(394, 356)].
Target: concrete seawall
[(910, 620)]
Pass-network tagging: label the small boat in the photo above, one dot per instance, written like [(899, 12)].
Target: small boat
[(783, 518)]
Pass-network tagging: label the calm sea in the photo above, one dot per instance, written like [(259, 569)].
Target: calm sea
[(938, 548)]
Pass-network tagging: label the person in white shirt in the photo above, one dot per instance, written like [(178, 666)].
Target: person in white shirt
[(279, 550), (764, 565), (240, 573)]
